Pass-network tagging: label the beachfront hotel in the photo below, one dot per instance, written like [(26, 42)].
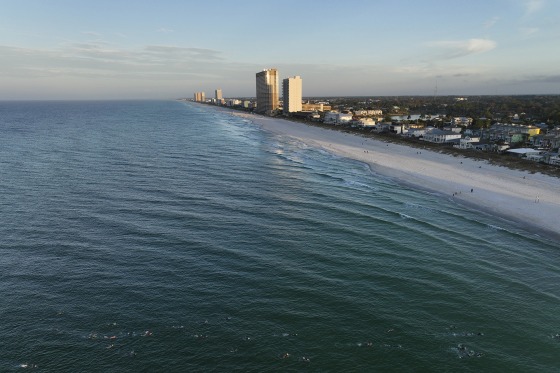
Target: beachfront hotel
[(292, 94), (218, 94), (199, 97), (267, 91)]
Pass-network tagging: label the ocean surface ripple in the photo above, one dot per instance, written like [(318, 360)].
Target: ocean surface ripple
[(169, 236)]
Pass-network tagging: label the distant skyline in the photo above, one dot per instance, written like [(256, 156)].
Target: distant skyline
[(117, 49)]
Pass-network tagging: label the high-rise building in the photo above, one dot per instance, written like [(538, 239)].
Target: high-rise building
[(199, 96), (267, 91), (292, 93), (218, 94)]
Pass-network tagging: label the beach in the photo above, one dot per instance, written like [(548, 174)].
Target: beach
[(530, 201)]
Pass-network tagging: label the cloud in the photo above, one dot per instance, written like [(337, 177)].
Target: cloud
[(164, 30), (528, 31), (533, 6), (182, 52), (555, 78), (491, 22), (92, 33), (462, 48), (103, 60)]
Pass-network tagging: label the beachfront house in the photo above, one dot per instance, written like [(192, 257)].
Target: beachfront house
[(512, 133), (365, 122), (441, 137), (467, 142), (416, 132), (336, 118), (525, 152), (554, 160)]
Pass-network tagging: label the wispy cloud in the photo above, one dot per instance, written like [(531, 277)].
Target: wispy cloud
[(181, 52), (449, 49), (555, 78), (164, 30), (103, 59), (533, 6), (528, 31), (491, 22), (92, 33)]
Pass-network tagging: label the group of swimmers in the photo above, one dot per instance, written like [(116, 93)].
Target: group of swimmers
[(286, 355), (465, 352)]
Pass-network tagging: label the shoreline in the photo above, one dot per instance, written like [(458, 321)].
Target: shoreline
[(528, 201)]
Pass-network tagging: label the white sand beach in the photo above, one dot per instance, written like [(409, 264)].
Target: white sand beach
[(531, 201)]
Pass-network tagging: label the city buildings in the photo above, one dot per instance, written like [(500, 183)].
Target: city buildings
[(267, 91), (199, 97), (292, 94), (219, 95)]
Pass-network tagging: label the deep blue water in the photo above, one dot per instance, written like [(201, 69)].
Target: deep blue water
[(167, 236)]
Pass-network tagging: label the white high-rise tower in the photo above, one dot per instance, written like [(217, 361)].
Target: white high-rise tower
[(292, 92)]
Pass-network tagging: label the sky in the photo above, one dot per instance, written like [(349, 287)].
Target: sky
[(123, 49)]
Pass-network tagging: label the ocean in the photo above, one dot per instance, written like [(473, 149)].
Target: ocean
[(164, 236)]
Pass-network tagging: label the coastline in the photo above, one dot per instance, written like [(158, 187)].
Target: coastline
[(529, 201)]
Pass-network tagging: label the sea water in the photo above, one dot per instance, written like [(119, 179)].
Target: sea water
[(169, 236)]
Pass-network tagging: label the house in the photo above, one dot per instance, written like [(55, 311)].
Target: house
[(374, 112), (524, 152), (467, 143), (454, 129), (441, 137), (511, 132), (333, 117), (554, 159), (551, 139), (416, 132), (462, 121), (365, 122)]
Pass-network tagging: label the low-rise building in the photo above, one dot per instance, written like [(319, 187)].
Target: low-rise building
[(511, 132), (441, 137), (315, 107), (462, 121), (416, 132), (365, 122), (333, 117), (554, 160), (467, 142)]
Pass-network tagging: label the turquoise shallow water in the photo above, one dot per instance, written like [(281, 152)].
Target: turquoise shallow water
[(165, 236)]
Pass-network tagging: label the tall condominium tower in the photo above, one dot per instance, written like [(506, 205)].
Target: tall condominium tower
[(291, 90), (199, 97), (218, 94), (267, 91)]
